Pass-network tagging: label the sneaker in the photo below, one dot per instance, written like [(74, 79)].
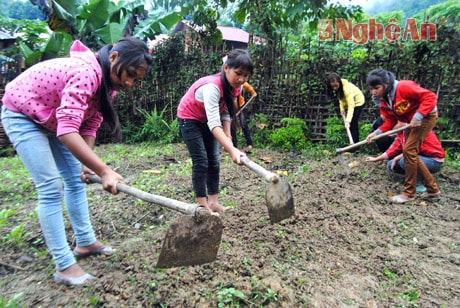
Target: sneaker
[(420, 188)]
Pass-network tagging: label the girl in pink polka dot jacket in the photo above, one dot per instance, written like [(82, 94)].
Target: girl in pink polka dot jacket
[(51, 113)]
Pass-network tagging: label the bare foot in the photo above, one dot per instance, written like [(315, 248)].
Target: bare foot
[(216, 207)]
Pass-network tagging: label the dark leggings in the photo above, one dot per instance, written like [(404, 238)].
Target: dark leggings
[(204, 151)]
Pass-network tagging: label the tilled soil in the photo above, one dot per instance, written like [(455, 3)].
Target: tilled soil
[(345, 246)]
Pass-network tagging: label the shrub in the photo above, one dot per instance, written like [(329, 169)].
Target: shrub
[(336, 134), (156, 129), (259, 127), (291, 135)]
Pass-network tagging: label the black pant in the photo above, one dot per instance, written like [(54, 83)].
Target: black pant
[(244, 127), (354, 125)]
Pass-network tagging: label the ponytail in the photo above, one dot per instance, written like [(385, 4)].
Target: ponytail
[(131, 52), (106, 107)]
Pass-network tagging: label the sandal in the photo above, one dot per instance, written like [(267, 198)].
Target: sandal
[(73, 281), (105, 250), (428, 195), (401, 198)]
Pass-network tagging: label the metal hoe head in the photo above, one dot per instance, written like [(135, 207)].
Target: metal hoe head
[(191, 240), (279, 199)]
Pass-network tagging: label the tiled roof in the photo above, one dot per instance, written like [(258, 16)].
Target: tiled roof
[(6, 36), (234, 34)]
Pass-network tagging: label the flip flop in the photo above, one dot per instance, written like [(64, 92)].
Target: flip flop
[(73, 281), (428, 195), (401, 199), (105, 250)]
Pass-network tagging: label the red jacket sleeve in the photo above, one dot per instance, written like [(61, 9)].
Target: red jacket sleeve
[(396, 147)]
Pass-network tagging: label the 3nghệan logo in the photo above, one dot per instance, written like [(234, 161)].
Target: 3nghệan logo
[(361, 33)]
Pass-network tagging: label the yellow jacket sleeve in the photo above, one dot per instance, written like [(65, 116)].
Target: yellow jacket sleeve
[(240, 101), (353, 98), (248, 88)]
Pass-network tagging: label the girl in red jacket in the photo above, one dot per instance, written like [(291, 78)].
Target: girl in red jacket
[(407, 102), (431, 153)]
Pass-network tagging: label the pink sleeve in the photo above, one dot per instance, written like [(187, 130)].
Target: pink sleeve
[(79, 108)]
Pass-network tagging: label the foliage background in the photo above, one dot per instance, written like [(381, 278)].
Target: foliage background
[(291, 84)]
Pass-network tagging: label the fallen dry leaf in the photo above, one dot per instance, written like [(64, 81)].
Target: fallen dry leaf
[(267, 159)]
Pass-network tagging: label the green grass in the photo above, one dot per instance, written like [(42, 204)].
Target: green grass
[(16, 184)]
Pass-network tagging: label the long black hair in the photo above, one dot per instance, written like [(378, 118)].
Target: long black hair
[(334, 77), (237, 58), (131, 52), (381, 77)]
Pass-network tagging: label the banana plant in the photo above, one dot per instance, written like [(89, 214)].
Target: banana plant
[(96, 23)]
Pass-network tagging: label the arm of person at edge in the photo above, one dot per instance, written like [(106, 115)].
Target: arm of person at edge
[(250, 89), (82, 148)]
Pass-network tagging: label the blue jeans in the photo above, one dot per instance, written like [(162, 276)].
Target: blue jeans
[(432, 165), (55, 172), (204, 151)]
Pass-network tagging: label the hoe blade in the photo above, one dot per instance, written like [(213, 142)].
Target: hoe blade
[(191, 242), (280, 202)]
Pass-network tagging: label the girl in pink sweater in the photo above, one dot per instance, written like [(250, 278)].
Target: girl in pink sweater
[(51, 113)]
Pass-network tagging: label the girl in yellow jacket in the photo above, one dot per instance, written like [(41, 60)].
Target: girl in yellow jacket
[(351, 101)]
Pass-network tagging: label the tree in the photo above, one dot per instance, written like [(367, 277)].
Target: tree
[(31, 35), (20, 9)]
